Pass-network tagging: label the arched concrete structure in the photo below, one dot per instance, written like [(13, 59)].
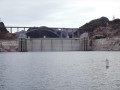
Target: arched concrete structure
[(41, 32)]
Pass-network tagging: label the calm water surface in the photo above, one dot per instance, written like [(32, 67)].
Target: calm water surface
[(60, 71)]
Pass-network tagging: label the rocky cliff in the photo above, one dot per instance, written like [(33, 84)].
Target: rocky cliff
[(111, 30), (4, 34), (92, 25), (106, 44), (101, 27)]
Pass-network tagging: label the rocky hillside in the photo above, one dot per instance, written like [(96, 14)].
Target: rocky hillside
[(111, 30), (4, 34), (101, 27)]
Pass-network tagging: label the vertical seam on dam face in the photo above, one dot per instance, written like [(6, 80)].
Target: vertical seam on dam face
[(41, 44), (52, 45), (62, 44), (32, 44), (79, 45), (71, 45)]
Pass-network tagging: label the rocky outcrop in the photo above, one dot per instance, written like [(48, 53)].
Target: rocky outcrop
[(103, 34), (92, 25), (106, 44), (2, 27), (101, 28), (9, 46), (110, 31), (4, 34)]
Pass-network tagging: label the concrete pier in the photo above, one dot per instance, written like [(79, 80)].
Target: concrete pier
[(84, 42), (22, 45)]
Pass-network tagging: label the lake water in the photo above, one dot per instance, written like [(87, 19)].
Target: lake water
[(60, 71)]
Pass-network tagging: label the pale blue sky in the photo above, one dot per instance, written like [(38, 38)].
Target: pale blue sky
[(56, 13)]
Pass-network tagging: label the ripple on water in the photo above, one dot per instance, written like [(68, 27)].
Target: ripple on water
[(59, 71)]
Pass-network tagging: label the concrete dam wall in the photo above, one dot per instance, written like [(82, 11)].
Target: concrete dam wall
[(45, 44), (53, 44), (60, 44)]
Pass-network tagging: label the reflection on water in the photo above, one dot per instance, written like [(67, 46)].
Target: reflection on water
[(60, 71)]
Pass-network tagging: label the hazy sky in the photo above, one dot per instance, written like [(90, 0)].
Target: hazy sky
[(56, 13)]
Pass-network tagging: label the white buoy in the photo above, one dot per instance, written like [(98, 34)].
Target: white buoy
[(107, 63)]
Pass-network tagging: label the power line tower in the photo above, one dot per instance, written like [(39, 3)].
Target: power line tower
[(0, 20), (113, 17)]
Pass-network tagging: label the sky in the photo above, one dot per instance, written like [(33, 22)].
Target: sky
[(56, 13)]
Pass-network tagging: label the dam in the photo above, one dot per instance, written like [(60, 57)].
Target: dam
[(53, 44), (45, 44), (62, 43)]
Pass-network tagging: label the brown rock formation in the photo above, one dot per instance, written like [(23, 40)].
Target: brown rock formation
[(111, 30), (101, 27), (4, 34)]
